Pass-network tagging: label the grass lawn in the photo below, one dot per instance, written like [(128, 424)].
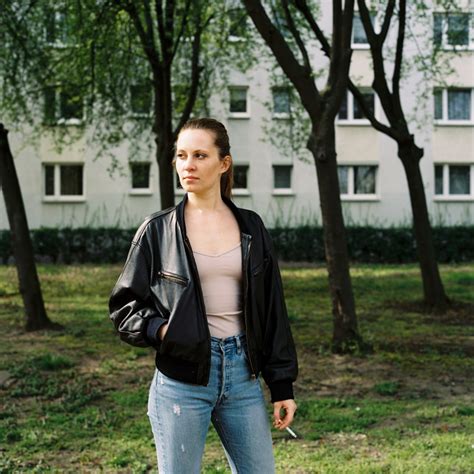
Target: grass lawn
[(75, 401)]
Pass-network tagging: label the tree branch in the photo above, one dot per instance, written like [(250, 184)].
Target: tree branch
[(399, 52), (298, 74)]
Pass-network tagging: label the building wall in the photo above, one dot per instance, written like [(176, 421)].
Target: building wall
[(108, 200)]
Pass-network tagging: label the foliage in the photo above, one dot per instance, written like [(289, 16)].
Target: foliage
[(305, 243)]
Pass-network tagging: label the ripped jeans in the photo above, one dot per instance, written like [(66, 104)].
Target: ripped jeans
[(180, 414)]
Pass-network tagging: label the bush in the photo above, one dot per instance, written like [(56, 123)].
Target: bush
[(300, 244)]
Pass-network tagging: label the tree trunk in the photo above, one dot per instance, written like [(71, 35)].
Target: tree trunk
[(166, 181), (30, 289), (346, 337), (435, 297)]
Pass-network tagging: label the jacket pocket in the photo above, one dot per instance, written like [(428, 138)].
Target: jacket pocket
[(260, 267), (180, 280)]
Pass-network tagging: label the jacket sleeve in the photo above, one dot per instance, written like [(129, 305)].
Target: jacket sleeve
[(131, 308), (280, 367)]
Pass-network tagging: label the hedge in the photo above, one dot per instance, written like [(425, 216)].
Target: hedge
[(302, 244)]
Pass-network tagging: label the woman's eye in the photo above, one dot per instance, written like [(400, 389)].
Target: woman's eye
[(201, 155), (179, 155)]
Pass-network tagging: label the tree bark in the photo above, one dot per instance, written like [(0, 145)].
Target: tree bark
[(346, 335), (30, 289), (435, 298)]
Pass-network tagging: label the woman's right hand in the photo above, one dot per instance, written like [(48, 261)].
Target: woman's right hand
[(162, 331)]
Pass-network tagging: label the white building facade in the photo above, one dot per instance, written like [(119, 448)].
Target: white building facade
[(70, 189)]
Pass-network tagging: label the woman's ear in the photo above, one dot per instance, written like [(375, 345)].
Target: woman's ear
[(226, 163)]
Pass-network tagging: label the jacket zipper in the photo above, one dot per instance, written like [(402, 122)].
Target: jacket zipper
[(201, 296), (245, 273), (173, 277)]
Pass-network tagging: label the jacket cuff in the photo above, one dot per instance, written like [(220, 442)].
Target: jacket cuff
[(152, 328), (281, 390)]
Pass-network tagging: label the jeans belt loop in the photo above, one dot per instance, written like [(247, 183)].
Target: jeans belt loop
[(239, 344)]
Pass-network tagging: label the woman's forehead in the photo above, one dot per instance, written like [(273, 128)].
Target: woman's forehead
[(193, 139)]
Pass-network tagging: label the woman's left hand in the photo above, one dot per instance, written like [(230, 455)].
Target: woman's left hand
[(289, 407)]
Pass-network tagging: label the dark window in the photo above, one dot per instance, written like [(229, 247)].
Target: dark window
[(438, 179), (140, 98), (238, 99), (49, 180), (343, 174), (282, 176), (343, 111), (438, 104), (438, 29), (70, 102), (369, 99), (364, 179), (358, 31), (238, 22), (281, 100), (459, 179), (50, 104), (140, 175), (240, 176), (71, 180), (459, 104), (458, 29)]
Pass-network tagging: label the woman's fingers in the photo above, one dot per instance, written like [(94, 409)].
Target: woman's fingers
[(289, 408)]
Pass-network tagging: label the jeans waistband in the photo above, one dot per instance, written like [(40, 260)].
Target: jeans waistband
[(228, 342)]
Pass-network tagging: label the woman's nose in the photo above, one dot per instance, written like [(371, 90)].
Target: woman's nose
[(189, 164)]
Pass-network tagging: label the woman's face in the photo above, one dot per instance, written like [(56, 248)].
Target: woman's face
[(197, 161)]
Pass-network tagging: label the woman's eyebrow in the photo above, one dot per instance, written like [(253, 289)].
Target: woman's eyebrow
[(199, 149)]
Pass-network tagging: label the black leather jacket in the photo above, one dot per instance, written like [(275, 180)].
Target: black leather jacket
[(160, 283)]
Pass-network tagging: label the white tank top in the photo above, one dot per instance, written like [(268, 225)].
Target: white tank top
[(221, 279)]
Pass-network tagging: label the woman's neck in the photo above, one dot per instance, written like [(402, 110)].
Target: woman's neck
[(209, 202)]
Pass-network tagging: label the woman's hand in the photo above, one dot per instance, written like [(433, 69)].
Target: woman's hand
[(162, 331), (289, 407)]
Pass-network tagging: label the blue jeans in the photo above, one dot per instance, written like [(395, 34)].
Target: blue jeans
[(180, 414)]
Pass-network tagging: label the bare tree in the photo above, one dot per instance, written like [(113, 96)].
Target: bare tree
[(322, 107), (30, 288)]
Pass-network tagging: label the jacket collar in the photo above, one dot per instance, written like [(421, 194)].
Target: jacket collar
[(235, 210)]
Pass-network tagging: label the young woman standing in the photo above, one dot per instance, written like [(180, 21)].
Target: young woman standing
[(202, 286)]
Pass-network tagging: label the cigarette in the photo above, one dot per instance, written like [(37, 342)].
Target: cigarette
[(292, 433)]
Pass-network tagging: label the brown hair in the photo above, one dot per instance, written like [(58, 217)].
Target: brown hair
[(221, 141)]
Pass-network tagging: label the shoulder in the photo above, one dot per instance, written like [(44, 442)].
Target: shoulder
[(150, 220)]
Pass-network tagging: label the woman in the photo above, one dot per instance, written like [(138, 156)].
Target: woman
[(201, 285)]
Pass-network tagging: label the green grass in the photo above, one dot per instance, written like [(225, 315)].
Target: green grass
[(76, 400)]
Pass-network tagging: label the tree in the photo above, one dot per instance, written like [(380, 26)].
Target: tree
[(321, 107), (30, 288), (409, 153), (116, 71)]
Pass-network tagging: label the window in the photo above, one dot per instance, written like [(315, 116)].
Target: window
[(357, 180), (237, 23), (452, 30), (240, 176), (280, 22), (454, 180), (282, 177), (350, 109), (63, 105), (56, 27), (359, 38), (140, 174), (453, 105), (281, 101), (238, 106), (140, 99), (63, 181)]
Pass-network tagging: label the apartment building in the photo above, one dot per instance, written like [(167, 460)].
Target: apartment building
[(70, 188)]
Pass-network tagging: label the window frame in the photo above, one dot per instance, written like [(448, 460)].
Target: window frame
[(283, 191), (375, 23), (239, 115), (445, 196), (58, 118), (132, 113), (445, 121), (350, 195), (62, 198), (350, 120), (140, 191), (445, 46), (281, 115), (242, 191)]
